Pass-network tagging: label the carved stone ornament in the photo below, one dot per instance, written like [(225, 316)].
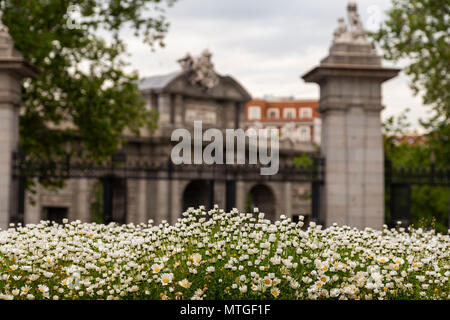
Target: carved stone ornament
[(3, 28), (354, 33), (201, 69)]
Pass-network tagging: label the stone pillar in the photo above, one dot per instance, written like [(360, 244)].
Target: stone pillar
[(162, 201), (240, 196), (133, 201), (228, 114), (350, 81), (176, 199), (136, 201), (142, 202), (179, 109), (13, 68), (80, 194), (151, 202), (219, 193), (288, 199), (164, 107)]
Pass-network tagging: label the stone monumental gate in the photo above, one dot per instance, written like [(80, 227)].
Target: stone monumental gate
[(352, 189)]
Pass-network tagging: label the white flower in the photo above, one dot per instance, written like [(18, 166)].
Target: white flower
[(185, 283), (196, 258), (43, 288), (383, 259), (166, 278), (156, 268), (275, 292)]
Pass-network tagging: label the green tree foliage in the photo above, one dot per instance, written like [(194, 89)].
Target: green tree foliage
[(417, 31), (79, 47), (96, 202), (429, 204), (303, 161)]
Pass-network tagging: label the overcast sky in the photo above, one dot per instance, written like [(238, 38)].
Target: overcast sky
[(266, 44)]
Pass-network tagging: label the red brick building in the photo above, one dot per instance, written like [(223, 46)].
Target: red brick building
[(413, 139), (277, 113)]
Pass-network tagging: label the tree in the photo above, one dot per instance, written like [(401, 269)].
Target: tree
[(429, 204), (82, 100), (417, 31)]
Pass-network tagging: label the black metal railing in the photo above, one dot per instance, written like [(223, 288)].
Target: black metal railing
[(398, 184), (114, 173), (120, 166)]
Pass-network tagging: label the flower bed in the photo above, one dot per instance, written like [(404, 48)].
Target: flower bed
[(218, 255)]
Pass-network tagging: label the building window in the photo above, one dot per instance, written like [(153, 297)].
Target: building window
[(254, 113), (273, 113), (305, 113), (289, 113)]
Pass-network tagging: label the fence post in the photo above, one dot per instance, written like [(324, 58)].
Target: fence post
[(230, 190), (351, 141), (13, 68)]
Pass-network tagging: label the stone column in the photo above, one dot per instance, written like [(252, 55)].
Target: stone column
[(240, 196), (142, 202), (374, 168), (288, 199), (219, 194), (228, 114), (13, 68), (179, 109), (162, 201), (81, 199), (151, 202), (176, 198), (136, 201), (350, 81), (164, 103)]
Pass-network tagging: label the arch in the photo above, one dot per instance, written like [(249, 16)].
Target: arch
[(114, 199), (196, 194), (262, 197)]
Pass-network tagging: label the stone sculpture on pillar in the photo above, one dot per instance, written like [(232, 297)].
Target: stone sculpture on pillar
[(3, 28), (341, 34), (350, 79), (13, 68), (201, 69), (355, 32)]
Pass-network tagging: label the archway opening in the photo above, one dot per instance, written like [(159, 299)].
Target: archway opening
[(262, 197), (196, 194)]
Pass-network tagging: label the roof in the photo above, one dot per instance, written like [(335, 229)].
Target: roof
[(163, 83), (159, 81)]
